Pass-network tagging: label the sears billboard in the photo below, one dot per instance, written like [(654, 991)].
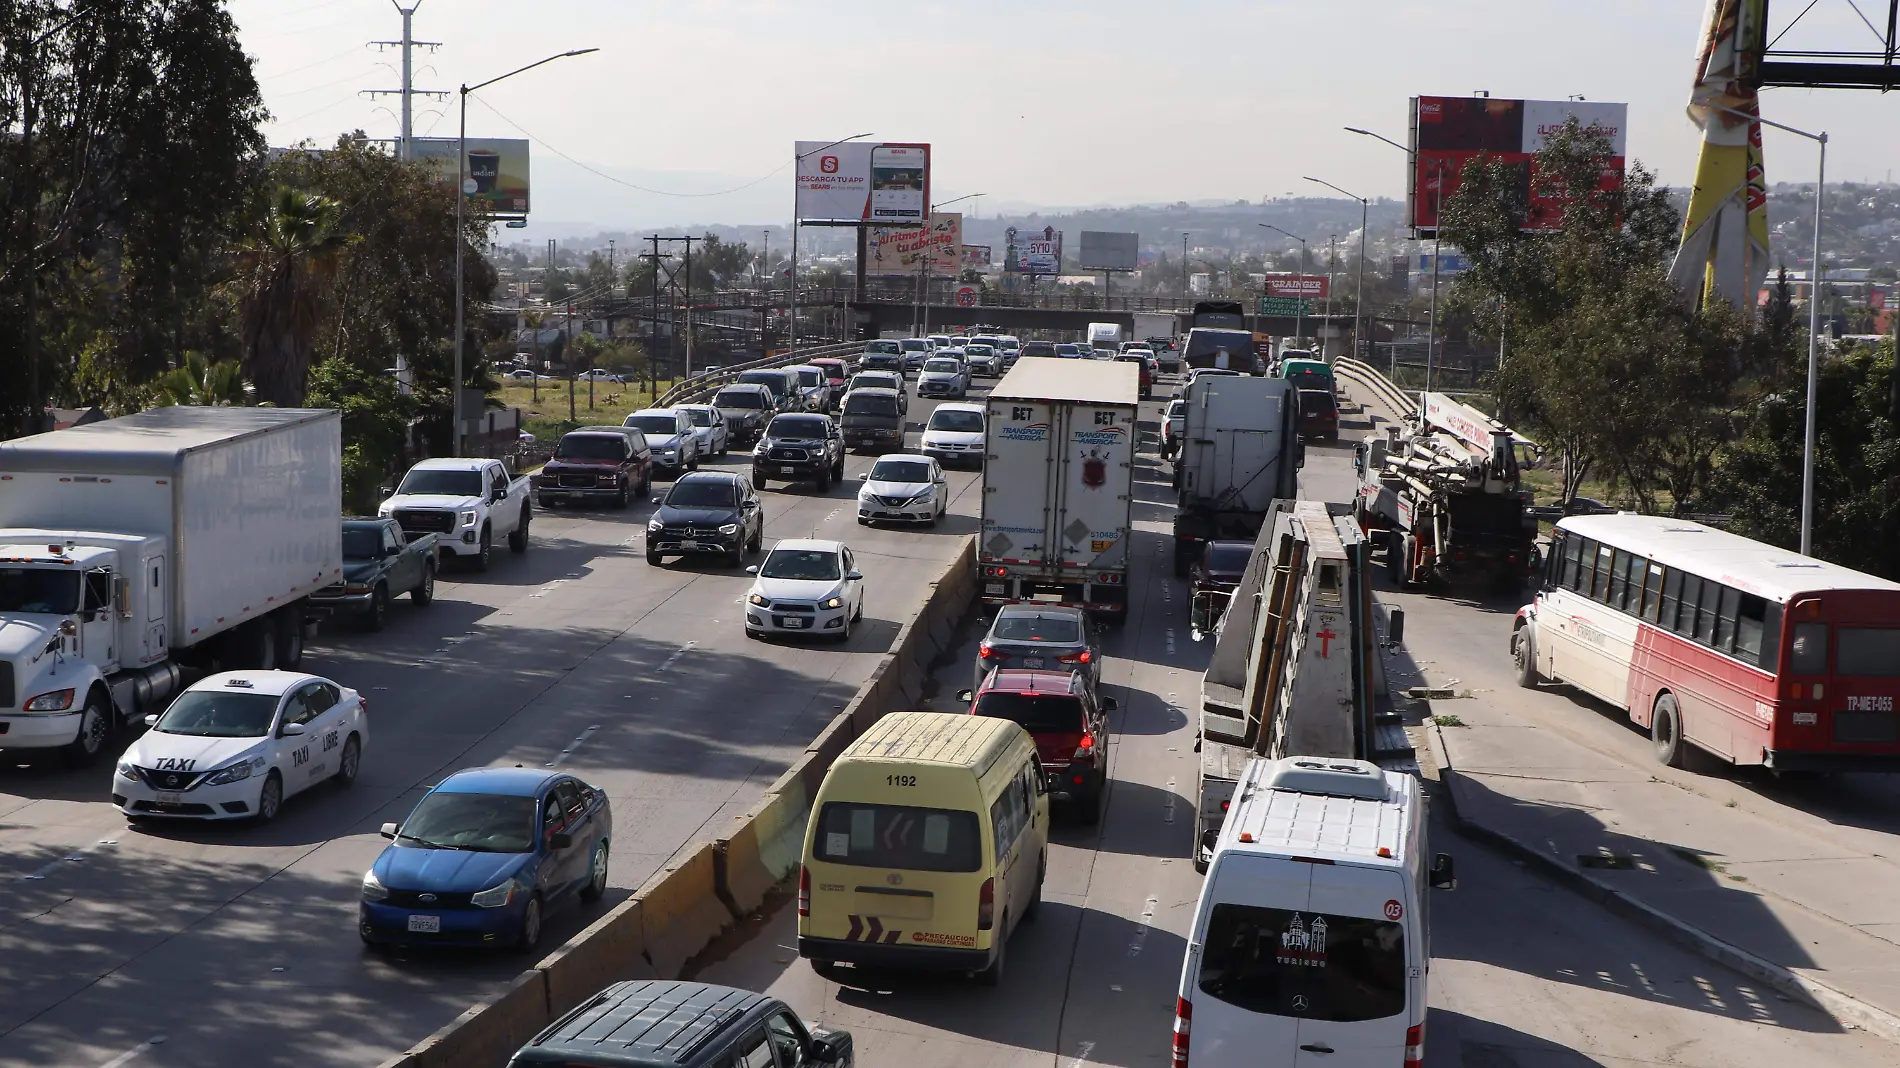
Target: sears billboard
[(863, 182), (1449, 132)]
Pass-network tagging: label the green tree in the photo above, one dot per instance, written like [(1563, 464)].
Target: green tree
[(287, 266), (721, 265), (376, 418), (201, 382)]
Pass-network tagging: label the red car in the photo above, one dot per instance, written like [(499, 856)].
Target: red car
[(1069, 725), (835, 375)]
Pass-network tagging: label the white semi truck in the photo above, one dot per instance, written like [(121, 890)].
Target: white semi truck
[(1058, 485), (1239, 452), (135, 548)]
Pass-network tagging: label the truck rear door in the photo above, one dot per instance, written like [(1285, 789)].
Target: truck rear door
[(1097, 467), (1019, 483)]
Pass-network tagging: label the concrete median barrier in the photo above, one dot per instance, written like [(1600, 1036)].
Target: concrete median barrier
[(611, 949), (765, 848), (488, 1033), (681, 912)]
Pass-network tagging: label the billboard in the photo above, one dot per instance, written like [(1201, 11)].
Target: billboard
[(1450, 132), (893, 250), (861, 181), (1104, 251), (1298, 286), (1032, 251), (976, 257), (497, 165)]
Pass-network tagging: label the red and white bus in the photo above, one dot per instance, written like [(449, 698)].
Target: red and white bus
[(1750, 652)]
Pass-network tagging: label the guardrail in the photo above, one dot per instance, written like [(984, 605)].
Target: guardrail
[(1399, 401), (709, 888), (706, 383)]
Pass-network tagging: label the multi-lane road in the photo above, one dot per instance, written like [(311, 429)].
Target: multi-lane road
[(236, 945)]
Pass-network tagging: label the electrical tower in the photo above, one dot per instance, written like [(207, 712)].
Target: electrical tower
[(405, 144), (1853, 61)]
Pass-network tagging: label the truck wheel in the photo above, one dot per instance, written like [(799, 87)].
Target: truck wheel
[(425, 590), (620, 501), (262, 643), (95, 726), (758, 479), (480, 559), (518, 539), (1408, 555), (824, 479), (378, 613), (290, 638), (1524, 654), (837, 469)]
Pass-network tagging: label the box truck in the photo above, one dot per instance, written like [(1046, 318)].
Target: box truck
[(1105, 336), (1058, 485), (134, 548), (1239, 452)]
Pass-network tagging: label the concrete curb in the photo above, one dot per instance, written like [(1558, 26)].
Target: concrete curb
[(1843, 1007)]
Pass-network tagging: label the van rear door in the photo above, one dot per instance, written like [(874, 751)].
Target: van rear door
[(1250, 966), (895, 873), (1364, 971)]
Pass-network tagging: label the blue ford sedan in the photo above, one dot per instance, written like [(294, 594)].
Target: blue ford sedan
[(485, 858)]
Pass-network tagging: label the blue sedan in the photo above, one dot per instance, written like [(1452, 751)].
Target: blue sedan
[(485, 858)]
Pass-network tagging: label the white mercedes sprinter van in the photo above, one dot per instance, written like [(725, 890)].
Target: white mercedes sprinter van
[(1310, 943)]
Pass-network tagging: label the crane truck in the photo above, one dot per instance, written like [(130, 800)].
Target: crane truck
[(1442, 493)]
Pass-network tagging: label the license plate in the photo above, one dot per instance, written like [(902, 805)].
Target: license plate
[(994, 589), (171, 799), (689, 545), (791, 622), (426, 924), (1032, 661), (788, 470)]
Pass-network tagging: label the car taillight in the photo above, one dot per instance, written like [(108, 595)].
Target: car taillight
[(986, 906), (1082, 657), (804, 890), (985, 652), (1183, 1019), (1415, 1046), (1085, 749)]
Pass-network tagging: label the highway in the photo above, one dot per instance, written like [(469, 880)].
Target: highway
[(190, 945), (1527, 975)]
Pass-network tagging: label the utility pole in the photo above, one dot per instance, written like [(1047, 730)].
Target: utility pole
[(1185, 290), (610, 260), (686, 306), (405, 145), (653, 320)]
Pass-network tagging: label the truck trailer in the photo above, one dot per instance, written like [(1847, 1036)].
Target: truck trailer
[(1058, 485), (135, 548), (1239, 452)]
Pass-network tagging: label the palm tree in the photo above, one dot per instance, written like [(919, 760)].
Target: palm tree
[(287, 265), (202, 382)]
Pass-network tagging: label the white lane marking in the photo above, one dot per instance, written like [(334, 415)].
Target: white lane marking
[(1142, 928), (126, 1057), (74, 857), (1167, 812), (1082, 1052), (561, 757), (671, 660), (1170, 641), (550, 587)]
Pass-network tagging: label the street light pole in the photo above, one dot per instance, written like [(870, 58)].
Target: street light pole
[(1299, 310), (1431, 335), (1359, 300), (461, 194), (791, 336), (1186, 290)]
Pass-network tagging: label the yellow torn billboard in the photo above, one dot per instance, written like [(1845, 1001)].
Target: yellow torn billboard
[(1724, 253)]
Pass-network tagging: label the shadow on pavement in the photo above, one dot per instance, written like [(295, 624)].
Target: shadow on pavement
[(1454, 1040)]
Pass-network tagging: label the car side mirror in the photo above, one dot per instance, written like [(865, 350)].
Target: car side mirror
[(854, 576), (389, 830), (656, 500), (966, 695), (560, 840), (386, 492), (1109, 704), (151, 720), (834, 1048), (752, 569), (864, 476), (1444, 875), (292, 730), (392, 550), (501, 493)]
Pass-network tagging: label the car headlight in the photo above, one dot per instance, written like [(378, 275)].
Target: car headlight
[(373, 888), (760, 600), (127, 770), (495, 896), (355, 587), (466, 517), (51, 701), (834, 602), (729, 528), (383, 511), (235, 773), (654, 526)]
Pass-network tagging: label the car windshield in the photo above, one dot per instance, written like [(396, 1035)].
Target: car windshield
[(870, 404), (591, 447), (25, 589), (662, 425), (1228, 558), (945, 366), (1038, 348), (1304, 965), (874, 380), (898, 836), (956, 422), (1221, 348), (810, 376), (916, 344), (882, 346), (979, 350), (480, 823), (738, 398), (811, 565), (700, 493), (901, 471), (359, 543), (797, 427), (219, 714), (1038, 713), (700, 416), (772, 380), (448, 483), (1036, 628), (1068, 350)]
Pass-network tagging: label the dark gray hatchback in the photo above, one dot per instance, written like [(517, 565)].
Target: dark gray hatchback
[(663, 1023)]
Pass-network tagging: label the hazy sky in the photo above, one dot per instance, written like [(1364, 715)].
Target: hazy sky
[(1034, 102)]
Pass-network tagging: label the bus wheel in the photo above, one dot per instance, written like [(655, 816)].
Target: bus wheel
[(1665, 732), (1524, 651)]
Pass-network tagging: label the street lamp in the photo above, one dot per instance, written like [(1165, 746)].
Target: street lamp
[(791, 336), (923, 268), (1359, 301), (1299, 320), (462, 191), (1438, 189)]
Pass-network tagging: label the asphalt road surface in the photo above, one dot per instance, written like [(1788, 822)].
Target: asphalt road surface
[(200, 945)]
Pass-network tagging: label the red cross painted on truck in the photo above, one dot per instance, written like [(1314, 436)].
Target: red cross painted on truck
[(1326, 641)]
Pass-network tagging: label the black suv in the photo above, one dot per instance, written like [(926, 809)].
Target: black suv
[(650, 1022), (1044, 349), (799, 447), (747, 405), (706, 512)]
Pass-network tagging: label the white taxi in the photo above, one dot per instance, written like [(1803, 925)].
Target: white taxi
[(236, 744)]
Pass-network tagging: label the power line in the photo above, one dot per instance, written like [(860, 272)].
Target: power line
[(621, 181)]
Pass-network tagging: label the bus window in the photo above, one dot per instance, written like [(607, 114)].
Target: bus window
[(1868, 652), (1750, 628), (1691, 593), (1633, 568), (1725, 618), (1600, 578), (1575, 561), (1671, 596), (1705, 612), (1652, 592), (1619, 569), (1807, 653)]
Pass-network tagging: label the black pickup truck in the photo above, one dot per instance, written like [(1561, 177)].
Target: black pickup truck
[(379, 565)]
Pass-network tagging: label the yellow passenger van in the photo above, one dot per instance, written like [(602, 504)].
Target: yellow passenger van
[(926, 847)]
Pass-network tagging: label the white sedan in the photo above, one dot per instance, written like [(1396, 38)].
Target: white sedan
[(805, 586), (236, 744), (903, 488)]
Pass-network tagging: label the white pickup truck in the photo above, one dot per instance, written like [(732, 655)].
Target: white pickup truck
[(468, 502)]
